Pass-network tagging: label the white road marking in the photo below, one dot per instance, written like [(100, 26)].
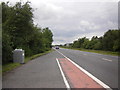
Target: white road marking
[(89, 74), (84, 54), (97, 53), (107, 59), (64, 78)]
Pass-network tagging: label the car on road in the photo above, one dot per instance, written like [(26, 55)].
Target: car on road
[(57, 47)]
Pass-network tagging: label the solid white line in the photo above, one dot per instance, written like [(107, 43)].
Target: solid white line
[(107, 59), (64, 78), (89, 74)]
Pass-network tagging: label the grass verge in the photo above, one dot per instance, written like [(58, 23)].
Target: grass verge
[(11, 66), (96, 51)]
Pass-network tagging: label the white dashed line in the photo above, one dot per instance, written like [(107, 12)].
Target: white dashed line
[(107, 59)]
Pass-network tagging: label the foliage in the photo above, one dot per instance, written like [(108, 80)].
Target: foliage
[(110, 41), (20, 32)]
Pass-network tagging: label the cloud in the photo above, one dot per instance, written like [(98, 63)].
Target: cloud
[(85, 25), (47, 12), (71, 19)]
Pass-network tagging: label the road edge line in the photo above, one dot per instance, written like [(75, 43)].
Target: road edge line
[(89, 74), (64, 78)]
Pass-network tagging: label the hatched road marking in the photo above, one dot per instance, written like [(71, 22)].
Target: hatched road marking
[(76, 77), (89, 74)]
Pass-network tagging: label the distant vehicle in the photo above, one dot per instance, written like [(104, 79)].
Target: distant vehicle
[(56, 47)]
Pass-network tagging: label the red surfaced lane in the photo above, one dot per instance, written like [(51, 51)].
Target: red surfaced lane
[(76, 77)]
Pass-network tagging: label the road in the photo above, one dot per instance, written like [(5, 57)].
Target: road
[(44, 71), (104, 67)]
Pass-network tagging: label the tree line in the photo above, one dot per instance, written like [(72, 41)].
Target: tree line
[(19, 31), (110, 41)]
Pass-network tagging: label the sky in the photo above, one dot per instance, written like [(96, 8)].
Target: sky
[(72, 19)]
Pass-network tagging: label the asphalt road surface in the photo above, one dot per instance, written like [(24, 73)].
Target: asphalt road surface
[(104, 67), (44, 71)]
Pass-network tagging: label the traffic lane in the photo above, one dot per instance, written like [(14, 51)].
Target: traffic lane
[(106, 71), (76, 72), (42, 72), (103, 70), (115, 58), (103, 58), (112, 60), (100, 57)]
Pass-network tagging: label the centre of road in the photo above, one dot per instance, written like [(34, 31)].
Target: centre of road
[(77, 76)]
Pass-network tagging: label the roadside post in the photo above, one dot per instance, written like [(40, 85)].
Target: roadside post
[(18, 56)]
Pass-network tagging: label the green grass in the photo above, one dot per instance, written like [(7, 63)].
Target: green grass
[(11, 66), (97, 51), (35, 56)]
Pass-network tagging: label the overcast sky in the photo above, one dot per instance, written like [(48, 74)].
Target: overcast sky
[(73, 19)]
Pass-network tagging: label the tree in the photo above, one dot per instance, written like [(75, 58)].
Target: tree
[(98, 46), (6, 48), (86, 44), (6, 38), (111, 40), (20, 32), (76, 44), (47, 34)]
